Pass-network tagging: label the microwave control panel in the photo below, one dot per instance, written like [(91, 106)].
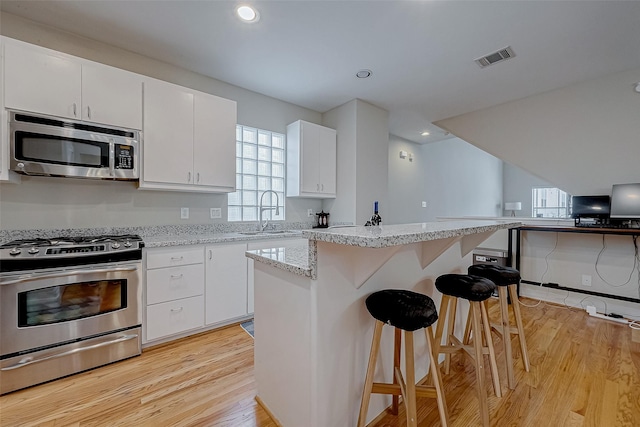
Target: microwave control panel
[(124, 157)]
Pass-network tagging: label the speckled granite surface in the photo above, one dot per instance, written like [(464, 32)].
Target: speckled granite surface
[(294, 259), (167, 235), (402, 234)]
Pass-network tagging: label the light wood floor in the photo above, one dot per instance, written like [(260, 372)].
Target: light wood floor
[(585, 372)]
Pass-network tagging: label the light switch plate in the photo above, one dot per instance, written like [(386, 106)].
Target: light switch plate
[(215, 213), (424, 204), (184, 213)]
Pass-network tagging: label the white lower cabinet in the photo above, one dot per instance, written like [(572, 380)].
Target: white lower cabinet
[(174, 317), (174, 291), (226, 282)]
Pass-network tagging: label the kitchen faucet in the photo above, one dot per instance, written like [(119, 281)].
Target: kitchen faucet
[(262, 226)]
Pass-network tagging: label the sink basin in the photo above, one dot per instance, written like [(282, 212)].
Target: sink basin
[(255, 233)]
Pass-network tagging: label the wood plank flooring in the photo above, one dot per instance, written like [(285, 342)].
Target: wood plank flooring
[(585, 372), (205, 380)]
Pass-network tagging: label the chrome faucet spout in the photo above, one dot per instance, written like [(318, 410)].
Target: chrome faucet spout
[(261, 226)]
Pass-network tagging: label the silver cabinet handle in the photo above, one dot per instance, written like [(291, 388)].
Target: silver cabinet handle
[(322, 185), (177, 276), (177, 258), (26, 361), (198, 177), (74, 110), (210, 254), (66, 273), (189, 177), (318, 187), (88, 112), (177, 310)]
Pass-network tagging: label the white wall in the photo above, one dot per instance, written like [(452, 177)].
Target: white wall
[(461, 180), (362, 164), (60, 203), (372, 160), (343, 120), (582, 138), (517, 185), (406, 183)]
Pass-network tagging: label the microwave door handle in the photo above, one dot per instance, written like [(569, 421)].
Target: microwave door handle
[(67, 273), (112, 157)]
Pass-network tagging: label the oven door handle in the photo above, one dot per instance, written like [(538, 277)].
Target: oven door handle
[(67, 273), (26, 361)]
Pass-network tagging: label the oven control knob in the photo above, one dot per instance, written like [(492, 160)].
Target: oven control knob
[(33, 250), (115, 245), (15, 251), (128, 244)]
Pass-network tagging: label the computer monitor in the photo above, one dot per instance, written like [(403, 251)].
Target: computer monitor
[(625, 201), (590, 206)]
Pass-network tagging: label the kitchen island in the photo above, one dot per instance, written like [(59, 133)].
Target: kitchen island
[(312, 330)]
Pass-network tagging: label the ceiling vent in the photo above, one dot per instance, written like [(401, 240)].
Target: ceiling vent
[(495, 57)]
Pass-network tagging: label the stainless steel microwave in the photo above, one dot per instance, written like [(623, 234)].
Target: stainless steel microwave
[(51, 146)]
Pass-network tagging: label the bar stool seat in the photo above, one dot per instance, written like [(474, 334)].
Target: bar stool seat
[(406, 311), (507, 279), (476, 290)]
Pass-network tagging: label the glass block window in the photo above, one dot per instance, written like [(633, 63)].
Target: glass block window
[(259, 167), (549, 203)]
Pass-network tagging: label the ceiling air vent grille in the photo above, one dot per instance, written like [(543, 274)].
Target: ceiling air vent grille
[(495, 57)]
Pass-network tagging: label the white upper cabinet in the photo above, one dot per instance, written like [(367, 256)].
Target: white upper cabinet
[(168, 135), (311, 160), (214, 144), (44, 81), (189, 140), (111, 96)]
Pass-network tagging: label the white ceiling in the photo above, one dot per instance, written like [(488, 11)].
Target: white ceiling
[(421, 53)]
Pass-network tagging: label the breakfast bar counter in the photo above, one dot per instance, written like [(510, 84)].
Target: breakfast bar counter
[(312, 330)]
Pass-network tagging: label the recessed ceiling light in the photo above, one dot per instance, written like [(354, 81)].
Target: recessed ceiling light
[(363, 74), (248, 14), (425, 133)]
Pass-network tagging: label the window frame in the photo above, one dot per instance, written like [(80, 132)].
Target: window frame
[(561, 207), (260, 167)]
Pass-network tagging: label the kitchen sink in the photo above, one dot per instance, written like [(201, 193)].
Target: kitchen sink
[(255, 233)]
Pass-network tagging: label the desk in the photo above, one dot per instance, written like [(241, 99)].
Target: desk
[(515, 254)]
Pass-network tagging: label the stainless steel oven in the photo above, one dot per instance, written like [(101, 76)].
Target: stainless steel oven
[(67, 305)]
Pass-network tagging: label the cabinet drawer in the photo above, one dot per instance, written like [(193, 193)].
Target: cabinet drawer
[(166, 284), (170, 257), (173, 317)]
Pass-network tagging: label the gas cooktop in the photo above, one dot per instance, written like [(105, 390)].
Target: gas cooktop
[(69, 251)]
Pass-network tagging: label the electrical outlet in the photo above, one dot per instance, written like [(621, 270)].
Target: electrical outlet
[(215, 213), (586, 280), (424, 204), (309, 212), (184, 213)]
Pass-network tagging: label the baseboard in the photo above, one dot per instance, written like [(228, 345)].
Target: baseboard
[(268, 411)]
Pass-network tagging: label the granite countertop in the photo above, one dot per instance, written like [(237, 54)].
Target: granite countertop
[(200, 239), (402, 234), (294, 259)]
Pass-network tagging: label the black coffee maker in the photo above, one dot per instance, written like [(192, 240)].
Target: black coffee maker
[(323, 220)]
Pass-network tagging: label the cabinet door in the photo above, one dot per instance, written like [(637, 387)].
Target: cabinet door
[(309, 154), (168, 133), (40, 81), (214, 147), (174, 317), (327, 161), (111, 96), (226, 282)]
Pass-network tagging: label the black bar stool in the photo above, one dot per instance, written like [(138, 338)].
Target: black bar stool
[(507, 280), (407, 311), (476, 290)]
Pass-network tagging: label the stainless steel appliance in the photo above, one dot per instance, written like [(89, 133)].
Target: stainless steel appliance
[(67, 305), (43, 145)]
